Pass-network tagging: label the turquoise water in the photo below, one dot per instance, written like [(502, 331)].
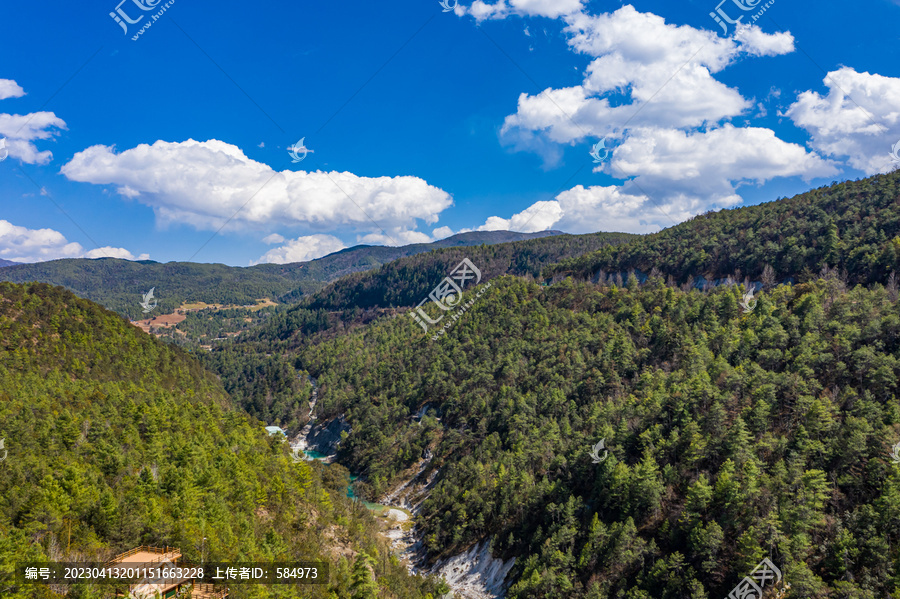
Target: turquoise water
[(314, 455), (352, 495)]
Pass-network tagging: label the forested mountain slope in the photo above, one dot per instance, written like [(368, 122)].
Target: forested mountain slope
[(114, 439), (732, 436), (854, 226), (258, 369), (407, 281), (119, 284)]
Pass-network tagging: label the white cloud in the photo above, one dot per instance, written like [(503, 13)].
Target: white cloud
[(21, 244), (10, 89), (651, 90), (585, 210), (859, 118), (394, 237), (111, 252), (203, 184), (708, 163), (524, 8), (673, 175), (302, 249), (20, 130), (273, 238), (442, 233), (645, 73), (537, 217)]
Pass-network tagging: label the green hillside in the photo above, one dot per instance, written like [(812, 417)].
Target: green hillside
[(257, 367), (407, 281), (115, 439), (853, 226), (731, 436), (120, 284)]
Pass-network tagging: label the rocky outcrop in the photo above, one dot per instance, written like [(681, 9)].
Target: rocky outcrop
[(322, 438), (410, 494), (325, 437), (475, 574)]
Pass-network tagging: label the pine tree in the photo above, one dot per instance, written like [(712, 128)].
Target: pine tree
[(362, 584)]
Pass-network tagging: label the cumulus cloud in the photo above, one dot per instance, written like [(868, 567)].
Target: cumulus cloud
[(525, 8), (442, 233), (111, 252), (672, 175), (21, 244), (204, 184), (273, 238), (395, 237), (645, 73), (20, 130), (709, 164), (302, 249), (858, 118), (651, 90), (537, 217), (10, 89), (596, 208)]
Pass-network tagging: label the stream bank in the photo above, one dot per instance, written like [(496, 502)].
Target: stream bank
[(472, 574)]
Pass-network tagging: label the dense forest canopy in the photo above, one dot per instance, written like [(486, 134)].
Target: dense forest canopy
[(115, 439), (404, 282), (119, 284), (257, 367), (732, 436), (731, 433), (853, 226)]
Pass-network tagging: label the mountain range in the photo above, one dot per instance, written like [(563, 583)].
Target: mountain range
[(733, 430), (119, 284)]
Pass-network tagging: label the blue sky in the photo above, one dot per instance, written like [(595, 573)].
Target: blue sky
[(422, 123)]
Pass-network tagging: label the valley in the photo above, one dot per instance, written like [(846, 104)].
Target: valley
[(732, 431), (456, 299)]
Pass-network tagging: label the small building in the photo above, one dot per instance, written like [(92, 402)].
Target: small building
[(274, 430), (152, 557)]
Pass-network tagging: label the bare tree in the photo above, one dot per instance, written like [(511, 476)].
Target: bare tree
[(768, 277), (892, 286)]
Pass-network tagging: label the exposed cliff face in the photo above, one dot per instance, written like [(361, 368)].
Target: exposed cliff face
[(323, 438), (475, 574)]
